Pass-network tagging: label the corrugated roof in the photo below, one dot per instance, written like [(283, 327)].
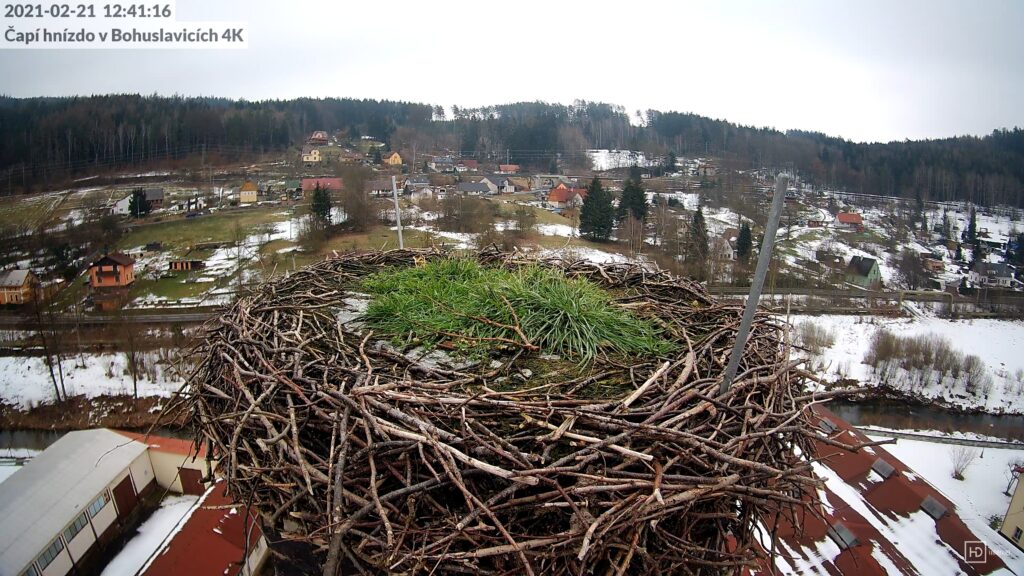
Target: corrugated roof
[(13, 278), (44, 496), (165, 444)]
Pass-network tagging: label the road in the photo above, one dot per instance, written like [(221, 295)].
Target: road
[(941, 439)]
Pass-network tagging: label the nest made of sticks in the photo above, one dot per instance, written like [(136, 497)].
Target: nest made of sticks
[(389, 462)]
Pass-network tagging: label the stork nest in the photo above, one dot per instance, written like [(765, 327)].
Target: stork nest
[(390, 460)]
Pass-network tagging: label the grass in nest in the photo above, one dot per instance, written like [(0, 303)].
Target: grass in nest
[(473, 308)]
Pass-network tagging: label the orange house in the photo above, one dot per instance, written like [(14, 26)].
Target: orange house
[(115, 270)]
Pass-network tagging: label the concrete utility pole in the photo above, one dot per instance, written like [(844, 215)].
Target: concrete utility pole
[(763, 260), (398, 212)]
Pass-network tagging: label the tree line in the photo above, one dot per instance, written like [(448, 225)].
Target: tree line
[(45, 140)]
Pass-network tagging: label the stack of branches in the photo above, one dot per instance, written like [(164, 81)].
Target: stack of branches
[(387, 463)]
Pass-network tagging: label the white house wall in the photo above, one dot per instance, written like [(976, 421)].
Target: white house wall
[(142, 471), (105, 517), (60, 565), (81, 543), (166, 464)]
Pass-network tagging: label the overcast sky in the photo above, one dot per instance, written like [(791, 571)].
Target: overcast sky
[(863, 70)]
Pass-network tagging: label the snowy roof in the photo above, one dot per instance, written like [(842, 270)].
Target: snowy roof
[(211, 541), (869, 523), (13, 278), (42, 498)]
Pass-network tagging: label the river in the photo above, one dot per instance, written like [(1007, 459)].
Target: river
[(900, 416)]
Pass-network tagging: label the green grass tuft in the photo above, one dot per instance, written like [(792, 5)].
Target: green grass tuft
[(448, 300)]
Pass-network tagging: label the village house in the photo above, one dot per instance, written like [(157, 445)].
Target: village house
[(213, 540), (473, 188), (850, 220), (114, 270), (122, 206), (441, 164), (990, 274), (331, 184), (548, 181), (155, 198), (498, 184), (18, 287), (876, 517), (731, 236), (863, 272), (414, 182), (310, 155), (392, 159), (508, 168), (561, 197), (381, 187), (931, 263), (61, 511), (248, 193), (318, 138), (420, 194), (467, 165), (1013, 521)]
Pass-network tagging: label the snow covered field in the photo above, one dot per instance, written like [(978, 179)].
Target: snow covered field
[(25, 381), (996, 342)]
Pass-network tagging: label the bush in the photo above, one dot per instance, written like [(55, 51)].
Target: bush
[(815, 338)]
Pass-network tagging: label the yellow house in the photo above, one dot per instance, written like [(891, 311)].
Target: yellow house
[(393, 159), (247, 194), (311, 156), (1013, 523)]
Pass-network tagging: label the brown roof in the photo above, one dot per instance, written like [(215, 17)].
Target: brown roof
[(117, 258), (849, 218), (249, 186), (852, 487), (211, 541), (309, 184), (508, 167), (563, 194)]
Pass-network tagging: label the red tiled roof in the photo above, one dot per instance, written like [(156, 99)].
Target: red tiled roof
[(469, 163), (889, 503), (508, 167), (309, 184), (849, 218), (165, 444), (563, 194), (212, 540)]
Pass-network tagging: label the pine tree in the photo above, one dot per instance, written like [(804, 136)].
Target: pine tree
[(320, 206), (697, 247), (377, 159), (138, 206), (670, 162), (972, 228), (633, 201), (947, 226), (744, 242), (597, 215)]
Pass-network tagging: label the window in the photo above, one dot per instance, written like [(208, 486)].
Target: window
[(98, 505), (933, 508), (883, 468), (842, 536), (1017, 533), (30, 571), (71, 531), (50, 553)]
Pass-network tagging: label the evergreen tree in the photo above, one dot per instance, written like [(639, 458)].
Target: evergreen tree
[(972, 228), (633, 202), (959, 252), (671, 161), (697, 247), (597, 214), (947, 226), (744, 242), (635, 174), (138, 206), (377, 159), (320, 206)]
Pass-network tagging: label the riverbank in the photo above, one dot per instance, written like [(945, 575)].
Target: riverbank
[(80, 412)]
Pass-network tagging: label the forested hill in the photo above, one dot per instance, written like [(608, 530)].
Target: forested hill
[(43, 141)]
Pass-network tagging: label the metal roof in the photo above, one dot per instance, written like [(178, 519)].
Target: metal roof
[(38, 501), (13, 278)]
